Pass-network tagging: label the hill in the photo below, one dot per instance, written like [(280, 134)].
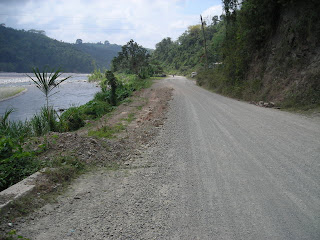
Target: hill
[(259, 51), (21, 50), (101, 53)]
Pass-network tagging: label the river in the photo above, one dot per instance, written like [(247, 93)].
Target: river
[(73, 92)]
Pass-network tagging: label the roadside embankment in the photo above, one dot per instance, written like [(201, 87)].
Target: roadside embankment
[(106, 144)]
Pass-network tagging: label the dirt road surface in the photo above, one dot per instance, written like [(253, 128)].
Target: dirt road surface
[(218, 169)]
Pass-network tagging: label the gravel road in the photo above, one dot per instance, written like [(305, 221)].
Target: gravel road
[(219, 169)]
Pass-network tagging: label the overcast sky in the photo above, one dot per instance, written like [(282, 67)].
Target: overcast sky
[(145, 21)]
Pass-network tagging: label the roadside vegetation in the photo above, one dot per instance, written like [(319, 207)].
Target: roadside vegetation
[(258, 50), (21, 142)]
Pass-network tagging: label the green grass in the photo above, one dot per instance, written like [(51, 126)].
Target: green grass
[(130, 118), (107, 131), (6, 92)]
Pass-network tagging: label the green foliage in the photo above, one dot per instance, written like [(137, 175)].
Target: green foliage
[(47, 81), (132, 59), (272, 35), (21, 50), (4, 120), (39, 124), (97, 75), (17, 129), (94, 109), (72, 119), (187, 53), (112, 81), (15, 164), (46, 120), (101, 53)]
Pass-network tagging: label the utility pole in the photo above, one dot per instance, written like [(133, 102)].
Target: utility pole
[(205, 42)]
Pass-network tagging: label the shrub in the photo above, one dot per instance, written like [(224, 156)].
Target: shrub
[(72, 119), (94, 109), (15, 164)]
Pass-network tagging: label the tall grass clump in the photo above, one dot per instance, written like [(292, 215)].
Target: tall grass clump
[(46, 120), (11, 129)]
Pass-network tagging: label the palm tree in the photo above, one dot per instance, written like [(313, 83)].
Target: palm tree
[(47, 81)]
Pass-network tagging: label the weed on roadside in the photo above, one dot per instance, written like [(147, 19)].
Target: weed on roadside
[(130, 118), (107, 131)]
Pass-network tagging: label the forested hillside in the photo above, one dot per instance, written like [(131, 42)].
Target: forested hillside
[(265, 50), (187, 53), (21, 50), (102, 53)]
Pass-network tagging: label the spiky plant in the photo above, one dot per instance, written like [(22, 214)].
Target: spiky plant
[(47, 81), (4, 120)]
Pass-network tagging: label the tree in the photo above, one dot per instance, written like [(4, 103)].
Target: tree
[(37, 31), (79, 41), (112, 81), (132, 59), (106, 42), (215, 20), (47, 81)]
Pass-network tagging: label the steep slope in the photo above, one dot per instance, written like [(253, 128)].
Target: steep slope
[(261, 50), (287, 70)]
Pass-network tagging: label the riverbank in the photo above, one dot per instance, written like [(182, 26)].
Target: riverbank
[(7, 93)]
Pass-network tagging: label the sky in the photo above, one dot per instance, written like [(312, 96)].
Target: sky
[(145, 21)]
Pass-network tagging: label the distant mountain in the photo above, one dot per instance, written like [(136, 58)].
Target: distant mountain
[(101, 53), (21, 50)]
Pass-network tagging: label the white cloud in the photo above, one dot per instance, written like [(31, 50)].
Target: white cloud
[(145, 21), (212, 11)]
